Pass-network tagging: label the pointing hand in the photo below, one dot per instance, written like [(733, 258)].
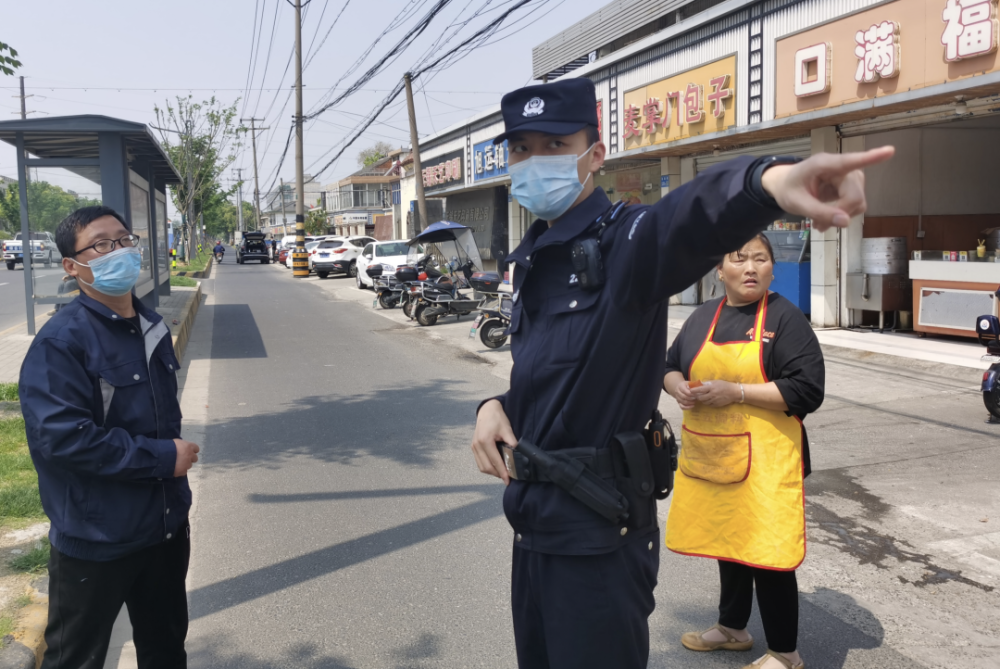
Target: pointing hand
[(829, 188)]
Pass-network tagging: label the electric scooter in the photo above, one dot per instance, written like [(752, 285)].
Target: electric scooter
[(988, 331)]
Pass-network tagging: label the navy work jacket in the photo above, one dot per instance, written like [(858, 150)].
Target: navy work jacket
[(99, 397), (589, 364)]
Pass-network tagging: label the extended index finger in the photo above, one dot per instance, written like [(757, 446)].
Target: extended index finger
[(848, 162)]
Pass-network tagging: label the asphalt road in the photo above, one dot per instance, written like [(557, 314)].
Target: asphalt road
[(12, 305), (341, 523)]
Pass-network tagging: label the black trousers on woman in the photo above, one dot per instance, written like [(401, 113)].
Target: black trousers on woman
[(777, 599)]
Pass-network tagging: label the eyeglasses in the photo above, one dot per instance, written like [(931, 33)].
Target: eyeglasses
[(108, 245)]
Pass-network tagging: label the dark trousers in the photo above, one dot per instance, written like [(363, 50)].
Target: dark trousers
[(777, 599), (85, 598), (584, 611)]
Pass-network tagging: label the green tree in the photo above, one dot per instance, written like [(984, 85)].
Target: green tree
[(373, 154), (8, 63), (48, 205), (315, 223), (201, 139)]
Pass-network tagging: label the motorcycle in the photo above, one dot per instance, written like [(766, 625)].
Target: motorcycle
[(443, 295), (493, 321), (988, 332)]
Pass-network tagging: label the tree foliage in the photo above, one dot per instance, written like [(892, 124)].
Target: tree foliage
[(201, 139), (315, 222), (8, 63), (48, 205), (373, 154)]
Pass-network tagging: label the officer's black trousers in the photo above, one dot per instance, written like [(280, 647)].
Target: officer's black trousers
[(85, 598), (777, 599), (584, 611)]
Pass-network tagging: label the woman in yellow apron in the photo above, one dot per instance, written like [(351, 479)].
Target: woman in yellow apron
[(745, 368)]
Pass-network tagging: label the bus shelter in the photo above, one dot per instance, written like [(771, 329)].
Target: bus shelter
[(68, 162)]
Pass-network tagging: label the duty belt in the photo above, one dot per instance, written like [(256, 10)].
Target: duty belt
[(583, 473), (598, 460)]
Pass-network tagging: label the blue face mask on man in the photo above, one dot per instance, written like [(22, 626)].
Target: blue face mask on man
[(547, 186), (115, 273)]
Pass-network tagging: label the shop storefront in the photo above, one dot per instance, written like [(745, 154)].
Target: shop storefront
[(917, 250)]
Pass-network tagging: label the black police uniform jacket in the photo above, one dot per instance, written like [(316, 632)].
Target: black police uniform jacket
[(589, 365)]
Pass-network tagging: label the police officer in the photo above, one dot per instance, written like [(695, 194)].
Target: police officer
[(589, 329)]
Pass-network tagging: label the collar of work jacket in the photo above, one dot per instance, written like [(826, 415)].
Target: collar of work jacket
[(153, 327), (576, 222)]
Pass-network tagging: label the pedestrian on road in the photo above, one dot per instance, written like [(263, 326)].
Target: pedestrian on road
[(746, 369), (98, 390), (589, 330)]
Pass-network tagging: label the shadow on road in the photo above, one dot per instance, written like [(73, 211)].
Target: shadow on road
[(825, 640), (235, 334), (211, 654), (343, 429), (236, 590)]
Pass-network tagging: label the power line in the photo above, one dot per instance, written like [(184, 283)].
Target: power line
[(398, 48), (222, 89), (253, 50), (487, 30), (312, 54), (267, 59)]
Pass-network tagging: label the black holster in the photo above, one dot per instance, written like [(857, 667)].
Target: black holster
[(662, 448), (574, 477), (634, 477)]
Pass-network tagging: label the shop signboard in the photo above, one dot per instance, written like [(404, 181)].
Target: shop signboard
[(489, 160), (690, 103), (894, 47), (485, 211), (443, 171)]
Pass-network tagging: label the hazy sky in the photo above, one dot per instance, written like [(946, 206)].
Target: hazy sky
[(120, 57)]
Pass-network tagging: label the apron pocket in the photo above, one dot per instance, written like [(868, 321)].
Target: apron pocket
[(718, 458)]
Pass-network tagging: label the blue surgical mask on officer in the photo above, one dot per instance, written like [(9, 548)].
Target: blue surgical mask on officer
[(547, 186), (115, 273)]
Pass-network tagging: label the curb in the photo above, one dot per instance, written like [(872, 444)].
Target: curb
[(201, 274), (180, 339), (26, 649)]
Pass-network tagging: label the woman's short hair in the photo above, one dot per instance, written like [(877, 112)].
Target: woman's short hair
[(762, 238)]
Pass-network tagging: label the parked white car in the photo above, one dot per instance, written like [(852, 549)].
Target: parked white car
[(341, 255), (388, 254)]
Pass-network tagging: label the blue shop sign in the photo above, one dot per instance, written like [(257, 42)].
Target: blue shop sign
[(489, 160)]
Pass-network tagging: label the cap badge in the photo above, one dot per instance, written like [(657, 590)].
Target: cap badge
[(534, 107)]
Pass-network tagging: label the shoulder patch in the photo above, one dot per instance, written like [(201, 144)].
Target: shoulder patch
[(635, 224)]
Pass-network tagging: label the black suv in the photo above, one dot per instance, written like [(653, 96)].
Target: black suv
[(252, 248)]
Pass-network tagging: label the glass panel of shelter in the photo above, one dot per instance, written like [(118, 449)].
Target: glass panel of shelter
[(53, 194)]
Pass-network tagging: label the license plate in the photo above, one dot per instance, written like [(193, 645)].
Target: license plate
[(475, 326), (990, 358), (324, 255)]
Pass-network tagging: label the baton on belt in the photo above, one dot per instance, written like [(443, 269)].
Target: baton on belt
[(572, 476)]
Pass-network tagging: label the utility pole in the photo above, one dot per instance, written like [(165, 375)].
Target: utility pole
[(256, 181), (284, 219), (300, 261), (417, 171), (239, 199)]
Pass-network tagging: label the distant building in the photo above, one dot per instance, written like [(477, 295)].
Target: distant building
[(354, 202), (277, 215)]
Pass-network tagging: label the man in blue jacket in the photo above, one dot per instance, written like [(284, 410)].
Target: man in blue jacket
[(588, 335), (98, 390)]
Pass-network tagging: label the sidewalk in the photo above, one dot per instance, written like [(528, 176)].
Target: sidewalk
[(14, 342), (941, 350), (885, 348)]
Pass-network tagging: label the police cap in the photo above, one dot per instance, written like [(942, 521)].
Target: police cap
[(559, 108)]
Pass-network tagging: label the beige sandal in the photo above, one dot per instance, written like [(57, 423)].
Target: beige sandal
[(785, 662), (695, 641)]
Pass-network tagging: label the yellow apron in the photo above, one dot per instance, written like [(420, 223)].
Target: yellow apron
[(739, 494)]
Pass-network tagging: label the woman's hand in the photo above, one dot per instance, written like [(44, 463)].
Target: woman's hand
[(717, 393), (678, 388)]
